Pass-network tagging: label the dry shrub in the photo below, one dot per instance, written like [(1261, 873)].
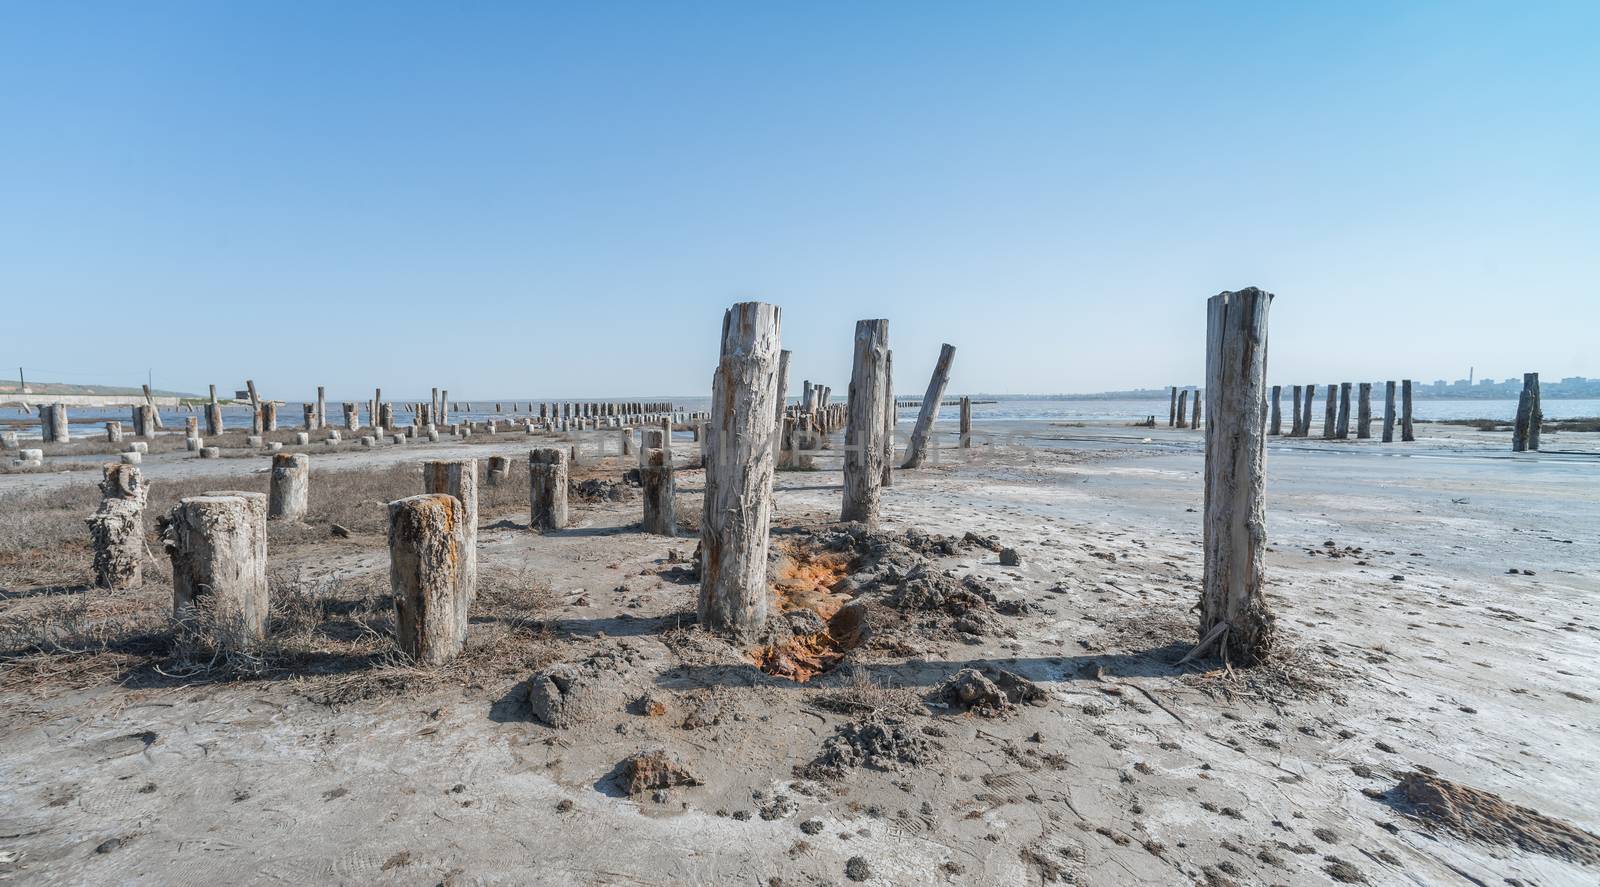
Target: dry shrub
[(862, 693)]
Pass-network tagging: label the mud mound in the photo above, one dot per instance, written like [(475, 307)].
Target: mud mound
[(990, 693), (885, 745), (655, 769), (579, 691), (1482, 816)]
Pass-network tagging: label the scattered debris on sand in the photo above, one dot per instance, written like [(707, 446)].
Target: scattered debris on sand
[(1483, 816)]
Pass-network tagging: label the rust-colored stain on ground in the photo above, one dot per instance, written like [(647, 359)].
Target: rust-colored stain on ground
[(805, 581)]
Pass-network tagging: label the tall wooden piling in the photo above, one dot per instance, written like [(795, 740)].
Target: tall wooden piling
[(217, 544), (1183, 408), (1172, 409), (1342, 424), (1277, 411), (887, 478), (922, 440), (966, 421), (738, 472), (458, 478), (1388, 411), (547, 488), (213, 415), (116, 530), (1530, 384), (1330, 413), (426, 548), (656, 481), (863, 447), (1364, 411), (1294, 419), (1233, 604), (291, 475), (1194, 421), (1407, 433)]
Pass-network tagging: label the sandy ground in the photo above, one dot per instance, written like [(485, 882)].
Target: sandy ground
[(1418, 650)]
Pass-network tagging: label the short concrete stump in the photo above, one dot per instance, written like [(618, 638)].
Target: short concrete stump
[(211, 452), (137, 446), (302, 438), (274, 447), (132, 458), (367, 440), (252, 441)]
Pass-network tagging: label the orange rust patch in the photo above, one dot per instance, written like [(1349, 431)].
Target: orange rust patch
[(805, 581)]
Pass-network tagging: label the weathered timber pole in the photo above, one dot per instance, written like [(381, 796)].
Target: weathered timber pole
[(219, 573), (499, 470), (213, 415), (1388, 411), (783, 400), (922, 439), (322, 406), (888, 419), (1530, 382), (1233, 604), (291, 477), (547, 488), (1294, 418), (1194, 421), (458, 478), (1277, 411), (1342, 425), (426, 548), (1183, 408), (966, 421), (863, 450), (738, 472), (113, 432), (1364, 411), (1407, 432), (116, 530), (1172, 409), (655, 477), (1330, 413)]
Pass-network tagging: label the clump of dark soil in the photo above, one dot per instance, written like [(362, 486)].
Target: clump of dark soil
[(878, 744), (655, 769), (990, 693), (1483, 816)]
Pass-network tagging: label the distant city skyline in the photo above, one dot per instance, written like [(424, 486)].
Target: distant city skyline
[(509, 198)]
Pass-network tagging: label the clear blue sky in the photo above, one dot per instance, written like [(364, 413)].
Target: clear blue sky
[(561, 199)]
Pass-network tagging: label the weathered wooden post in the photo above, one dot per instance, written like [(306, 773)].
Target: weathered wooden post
[(922, 434), (547, 488), (1330, 413), (427, 546), (499, 470), (322, 407), (1172, 410), (783, 399), (1294, 419), (1194, 421), (1183, 408), (1407, 433), (386, 415), (116, 530), (291, 473), (1277, 411), (966, 420), (113, 432), (213, 415), (888, 419), (309, 416), (1342, 426), (218, 546), (656, 478), (1530, 383), (444, 406), (1364, 411), (862, 448), (1388, 411), (738, 472), (458, 478), (57, 429), (1233, 604), (269, 415)]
